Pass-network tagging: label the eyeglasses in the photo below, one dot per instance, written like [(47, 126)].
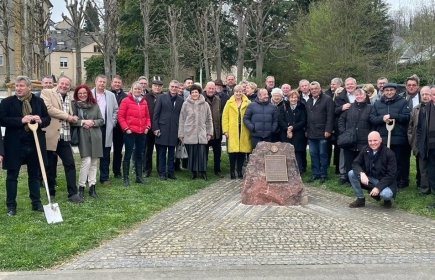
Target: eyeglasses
[(412, 85)]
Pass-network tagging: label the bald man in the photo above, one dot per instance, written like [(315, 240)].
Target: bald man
[(374, 169)]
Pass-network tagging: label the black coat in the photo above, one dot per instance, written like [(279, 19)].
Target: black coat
[(384, 169), (165, 119), (151, 100), (119, 96), (320, 117), (261, 118), (359, 114), (296, 118), (10, 118), (398, 109)]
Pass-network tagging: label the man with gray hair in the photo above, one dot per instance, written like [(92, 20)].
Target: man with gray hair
[(269, 84), (335, 83), (320, 124), (19, 147), (380, 85)]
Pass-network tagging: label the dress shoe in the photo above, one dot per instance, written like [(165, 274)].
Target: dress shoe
[(38, 207), (402, 184), (52, 198), (232, 175), (163, 177), (146, 173), (11, 212), (194, 175), (322, 180), (219, 174), (431, 206), (342, 181), (359, 202), (387, 204), (376, 197), (312, 179), (106, 183), (75, 199), (422, 193), (240, 175), (172, 176), (118, 176)]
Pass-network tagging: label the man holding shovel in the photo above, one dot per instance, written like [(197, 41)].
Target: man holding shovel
[(16, 112)]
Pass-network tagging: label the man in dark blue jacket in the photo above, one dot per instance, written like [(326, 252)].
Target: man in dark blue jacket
[(261, 118), (391, 106), (320, 124)]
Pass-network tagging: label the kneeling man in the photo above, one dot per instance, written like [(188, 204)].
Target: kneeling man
[(374, 169)]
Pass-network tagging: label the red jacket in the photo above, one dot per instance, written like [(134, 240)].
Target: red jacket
[(133, 115)]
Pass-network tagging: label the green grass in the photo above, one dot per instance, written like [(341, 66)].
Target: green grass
[(27, 242), (407, 199)]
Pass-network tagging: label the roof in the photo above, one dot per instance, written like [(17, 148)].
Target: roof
[(63, 39)]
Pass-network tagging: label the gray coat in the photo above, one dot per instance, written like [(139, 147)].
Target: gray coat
[(195, 121), (90, 139), (165, 119), (111, 115)]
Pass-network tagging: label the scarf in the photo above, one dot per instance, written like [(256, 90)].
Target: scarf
[(84, 104), (26, 107), (65, 133)]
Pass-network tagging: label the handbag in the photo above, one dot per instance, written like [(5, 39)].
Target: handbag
[(75, 136), (181, 151), (347, 138)]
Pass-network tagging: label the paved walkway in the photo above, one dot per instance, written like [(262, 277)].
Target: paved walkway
[(213, 229)]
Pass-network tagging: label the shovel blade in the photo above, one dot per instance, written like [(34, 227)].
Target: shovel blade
[(52, 213)]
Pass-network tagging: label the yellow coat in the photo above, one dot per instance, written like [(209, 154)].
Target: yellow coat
[(230, 125)]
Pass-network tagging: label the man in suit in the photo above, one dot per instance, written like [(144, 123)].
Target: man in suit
[(58, 136), (109, 110), (165, 128), (19, 147)]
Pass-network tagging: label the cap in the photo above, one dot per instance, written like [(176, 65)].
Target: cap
[(157, 82), (390, 85)]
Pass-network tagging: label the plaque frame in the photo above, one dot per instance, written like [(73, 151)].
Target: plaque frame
[(275, 168)]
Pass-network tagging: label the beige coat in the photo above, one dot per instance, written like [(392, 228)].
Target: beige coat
[(54, 108), (195, 121)]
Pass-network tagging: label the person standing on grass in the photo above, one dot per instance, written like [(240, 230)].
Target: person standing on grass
[(134, 119), (236, 132), (109, 110), (165, 128), (195, 130), (90, 120), (58, 136), (19, 146), (374, 169)]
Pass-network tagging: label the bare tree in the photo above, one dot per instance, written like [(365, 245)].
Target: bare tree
[(41, 19), (7, 20), (240, 12), (107, 37), (146, 10), (76, 10), (217, 17), (174, 23)]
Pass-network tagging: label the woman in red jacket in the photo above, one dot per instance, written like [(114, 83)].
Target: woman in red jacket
[(134, 119)]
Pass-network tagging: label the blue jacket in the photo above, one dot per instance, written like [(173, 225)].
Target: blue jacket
[(261, 118)]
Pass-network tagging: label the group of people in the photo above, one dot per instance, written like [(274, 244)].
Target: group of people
[(141, 121)]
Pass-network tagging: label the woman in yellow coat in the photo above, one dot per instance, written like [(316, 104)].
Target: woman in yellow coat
[(237, 134)]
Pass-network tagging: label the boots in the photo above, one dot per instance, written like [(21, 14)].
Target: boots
[(139, 171), (204, 175), (232, 167), (92, 192), (194, 175), (359, 202), (233, 175), (81, 193), (239, 174), (125, 170)]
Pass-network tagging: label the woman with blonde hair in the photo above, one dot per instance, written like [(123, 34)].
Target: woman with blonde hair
[(236, 132), (371, 93), (251, 91)]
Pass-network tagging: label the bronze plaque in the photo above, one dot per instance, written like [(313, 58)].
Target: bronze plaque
[(276, 168)]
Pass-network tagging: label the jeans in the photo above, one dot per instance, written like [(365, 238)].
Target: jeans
[(105, 160), (355, 181), (319, 157), (131, 140), (29, 156), (65, 153), (161, 168)]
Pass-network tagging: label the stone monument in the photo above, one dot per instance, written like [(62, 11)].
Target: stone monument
[(272, 177)]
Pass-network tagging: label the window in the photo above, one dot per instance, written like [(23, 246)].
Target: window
[(63, 62), (97, 48), (1, 60), (84, 62)]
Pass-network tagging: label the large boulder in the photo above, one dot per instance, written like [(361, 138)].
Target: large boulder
[(256, 190)]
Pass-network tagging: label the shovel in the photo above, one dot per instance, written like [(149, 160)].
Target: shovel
[(52, 211), (390, 127)]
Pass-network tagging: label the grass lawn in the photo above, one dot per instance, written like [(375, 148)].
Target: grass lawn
[(27, 242)]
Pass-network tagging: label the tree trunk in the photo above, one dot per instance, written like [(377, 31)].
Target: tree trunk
[(241, 45), (217, 18), (145, 8)]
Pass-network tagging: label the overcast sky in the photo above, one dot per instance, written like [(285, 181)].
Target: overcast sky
[(59, 6)]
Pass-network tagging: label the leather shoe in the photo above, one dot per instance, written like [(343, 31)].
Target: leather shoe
[(312, 179), (387, 204), (322, 180), (194, 175), (11, 212), (118, 176), (75, 199), (432, 206), (106, 183), (342, 181), (172, 176), (163, 177), (146, 173), (219, 174), (38, 208)]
